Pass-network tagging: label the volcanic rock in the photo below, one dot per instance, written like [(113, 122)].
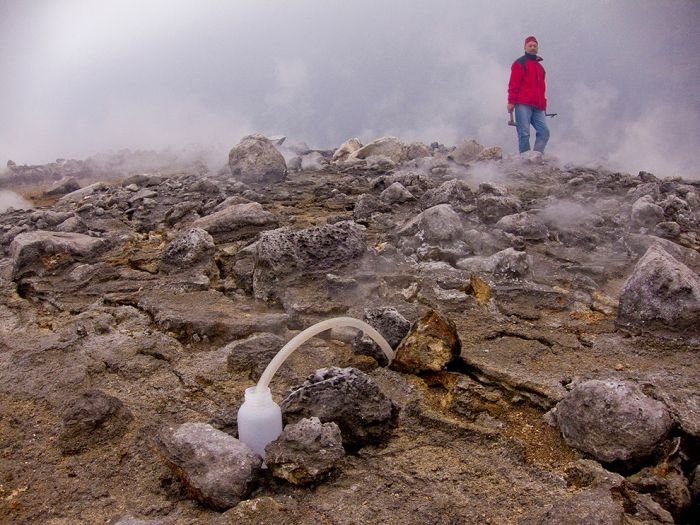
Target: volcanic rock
[(238, 221), (613, 421), (43, 251), (256, 160), (306, 452), (389, 147), (493, 203), (390, 324), (284, 253), (662, 293), (438, 224), (193, 248), (347, 397), (525, 224), (93, 419), (217, 469), (431, 345), (466, 152), (346, 149), (646, 213)]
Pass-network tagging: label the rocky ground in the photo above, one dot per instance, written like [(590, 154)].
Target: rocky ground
[(545, 317)]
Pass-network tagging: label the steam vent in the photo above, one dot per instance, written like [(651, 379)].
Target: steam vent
[(544, 318)]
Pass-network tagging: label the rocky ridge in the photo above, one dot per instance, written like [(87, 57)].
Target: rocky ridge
[(536, 310)]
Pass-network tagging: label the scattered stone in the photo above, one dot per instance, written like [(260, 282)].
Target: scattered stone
[(390, 324), (347, 397), (306, 452), (93, 419), (613, 421), (525, 225), (661, 294), (256, 160), (63, 187), (238, 221), (667, 486), (453, 192), (466, 152), (396, 194), (43, 251), (217, 469), (506, 264), (346, 149), (282, 253), (492, 204), (193, 248), (431, 345), (646, 213), (440, 223), (389, 147)]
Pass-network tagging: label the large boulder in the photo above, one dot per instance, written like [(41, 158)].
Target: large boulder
[(346, 149), (217, 469), (256, 160), (661, 294), (646, 213), (613, 421), (348, 397), (238, 221), (282, 253), (389, 147)]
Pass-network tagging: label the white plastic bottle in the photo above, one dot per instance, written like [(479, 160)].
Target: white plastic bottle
[(259, 419)]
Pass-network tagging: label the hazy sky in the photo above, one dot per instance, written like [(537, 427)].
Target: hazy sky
[(84, 76)]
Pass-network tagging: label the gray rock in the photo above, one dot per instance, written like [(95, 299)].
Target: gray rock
[(238, 221), (389, 147), (346, 149), (668, 230), (256, 160), (93, 419), (251, 355), (282, 253), (491, 206), (195, 247), (668, 488), (348, 397), (661, 294), (130, 520), (41, 251), (396, 194), (367, 205), (431, 344), (506, 264), (453, 192), (306, 452), (387, 321), (217, 469), (646, 213), (63, 187), (438, 224), (417, 150), (313, 161), (525, 225), (466, 152), (612, 421)]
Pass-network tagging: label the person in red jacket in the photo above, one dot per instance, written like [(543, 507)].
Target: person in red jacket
[(526, 96)]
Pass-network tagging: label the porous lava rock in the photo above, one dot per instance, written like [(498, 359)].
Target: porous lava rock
[(256, 160), (347, 397), (431, 345)]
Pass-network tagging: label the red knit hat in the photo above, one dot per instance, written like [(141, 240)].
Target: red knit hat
[(531, 39)]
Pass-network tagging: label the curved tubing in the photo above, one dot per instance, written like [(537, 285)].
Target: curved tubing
[(311, 331)]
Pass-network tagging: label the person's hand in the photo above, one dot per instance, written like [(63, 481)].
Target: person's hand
[(511, 107)]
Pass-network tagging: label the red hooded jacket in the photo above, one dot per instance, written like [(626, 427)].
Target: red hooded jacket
[(526, 85)]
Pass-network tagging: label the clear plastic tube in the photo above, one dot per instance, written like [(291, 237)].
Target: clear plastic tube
[(310, 332)]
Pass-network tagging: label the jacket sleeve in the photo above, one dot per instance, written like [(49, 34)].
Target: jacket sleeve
[(516, 79)]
